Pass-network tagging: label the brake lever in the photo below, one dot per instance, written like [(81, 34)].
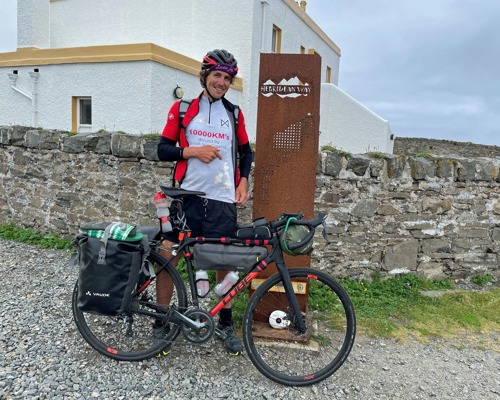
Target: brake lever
[(324, 229)]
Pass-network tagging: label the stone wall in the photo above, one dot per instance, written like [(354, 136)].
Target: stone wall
[(412, 146), (437, 217)]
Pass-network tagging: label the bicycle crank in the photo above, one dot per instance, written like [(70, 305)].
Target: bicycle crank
[(200, 326)]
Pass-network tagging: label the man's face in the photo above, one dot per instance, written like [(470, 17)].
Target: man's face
[(217, 83)]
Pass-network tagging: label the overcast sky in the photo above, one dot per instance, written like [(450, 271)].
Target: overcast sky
[(430, 67)]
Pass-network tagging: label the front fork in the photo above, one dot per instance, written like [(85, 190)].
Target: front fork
[(294, 303)]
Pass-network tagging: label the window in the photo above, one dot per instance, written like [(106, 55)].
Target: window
[(276, 45), (328, 75), (81, 114), (85, 107)]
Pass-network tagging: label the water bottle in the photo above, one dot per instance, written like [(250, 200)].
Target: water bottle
[(202, 284), (163, 212), (229, 280)]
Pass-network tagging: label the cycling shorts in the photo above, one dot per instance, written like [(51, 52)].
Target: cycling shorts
[(208, 218)]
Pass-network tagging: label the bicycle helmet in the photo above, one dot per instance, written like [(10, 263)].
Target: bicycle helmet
[(293, 234), (220, 60), (279, 320)]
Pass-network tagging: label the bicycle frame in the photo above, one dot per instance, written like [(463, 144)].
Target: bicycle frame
[(275, 255)]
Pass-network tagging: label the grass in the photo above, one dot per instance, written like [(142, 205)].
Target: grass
[(376, 154), (396, 308), (428, 156), (333, 149), (482, 280), (24, 235)]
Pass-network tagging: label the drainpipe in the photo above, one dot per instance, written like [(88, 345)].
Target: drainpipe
[(13, 79), (34, 93), (264, 3)]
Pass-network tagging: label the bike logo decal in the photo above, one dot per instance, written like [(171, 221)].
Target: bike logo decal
[(292, 87)]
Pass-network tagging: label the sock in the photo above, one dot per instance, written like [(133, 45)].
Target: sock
[(226, 317)]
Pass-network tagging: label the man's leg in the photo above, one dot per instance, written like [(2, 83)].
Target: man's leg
[(164, 285), (231, 342), (164, 290)]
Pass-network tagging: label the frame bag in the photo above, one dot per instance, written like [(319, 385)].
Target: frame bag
[(214, 256), (110, 258)]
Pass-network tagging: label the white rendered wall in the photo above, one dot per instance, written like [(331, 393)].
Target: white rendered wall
[(348, 125), (191, 28), (187, 27), (133, 97), (33, 23), (296, 33)]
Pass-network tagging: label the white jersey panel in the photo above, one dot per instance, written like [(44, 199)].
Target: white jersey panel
[(212, 126)]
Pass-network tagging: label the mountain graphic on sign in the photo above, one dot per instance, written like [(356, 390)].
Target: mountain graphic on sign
[(295, 82), (292, 81)]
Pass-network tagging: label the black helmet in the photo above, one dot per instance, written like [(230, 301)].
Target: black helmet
[(220, 60)]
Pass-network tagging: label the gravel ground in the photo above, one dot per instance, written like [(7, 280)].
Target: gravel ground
[(42, 356)]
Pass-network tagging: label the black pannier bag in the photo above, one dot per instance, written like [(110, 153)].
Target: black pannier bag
[(258, 230), (110, 263), (227, 257)]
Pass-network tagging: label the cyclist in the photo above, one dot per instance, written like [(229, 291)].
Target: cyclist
[(205, 146)]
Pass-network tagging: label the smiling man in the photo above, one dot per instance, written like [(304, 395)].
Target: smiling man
[(210, 145)]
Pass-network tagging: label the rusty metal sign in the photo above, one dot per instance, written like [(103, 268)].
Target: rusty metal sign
[(286, 151)]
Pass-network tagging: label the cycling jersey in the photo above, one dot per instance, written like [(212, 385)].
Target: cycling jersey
[(207, 123)]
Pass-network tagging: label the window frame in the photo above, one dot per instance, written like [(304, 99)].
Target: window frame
[(276, 40), (76, 124)]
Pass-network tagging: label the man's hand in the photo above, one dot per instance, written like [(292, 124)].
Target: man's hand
[(203, 153), (241, 196)]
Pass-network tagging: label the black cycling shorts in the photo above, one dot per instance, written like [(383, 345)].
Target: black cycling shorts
[(208, 218)]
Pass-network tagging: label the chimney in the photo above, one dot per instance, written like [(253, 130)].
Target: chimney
[(303, 5)]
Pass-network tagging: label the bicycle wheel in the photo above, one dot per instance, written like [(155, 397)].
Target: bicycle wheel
[(286, 355), (133, 335)]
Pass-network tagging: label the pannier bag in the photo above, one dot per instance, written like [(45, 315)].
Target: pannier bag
[(258, 229), (110, 259), (227, 257)]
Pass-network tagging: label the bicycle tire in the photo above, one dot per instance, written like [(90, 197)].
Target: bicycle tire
[(130, 336), (285, 355)]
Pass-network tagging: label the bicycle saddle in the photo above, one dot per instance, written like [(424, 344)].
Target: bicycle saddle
[(178, 193)]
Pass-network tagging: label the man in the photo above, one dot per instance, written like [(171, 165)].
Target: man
[(205, 144)]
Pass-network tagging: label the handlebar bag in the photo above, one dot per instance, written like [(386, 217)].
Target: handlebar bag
[(226, 257), (258, 229), (110, 262)]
